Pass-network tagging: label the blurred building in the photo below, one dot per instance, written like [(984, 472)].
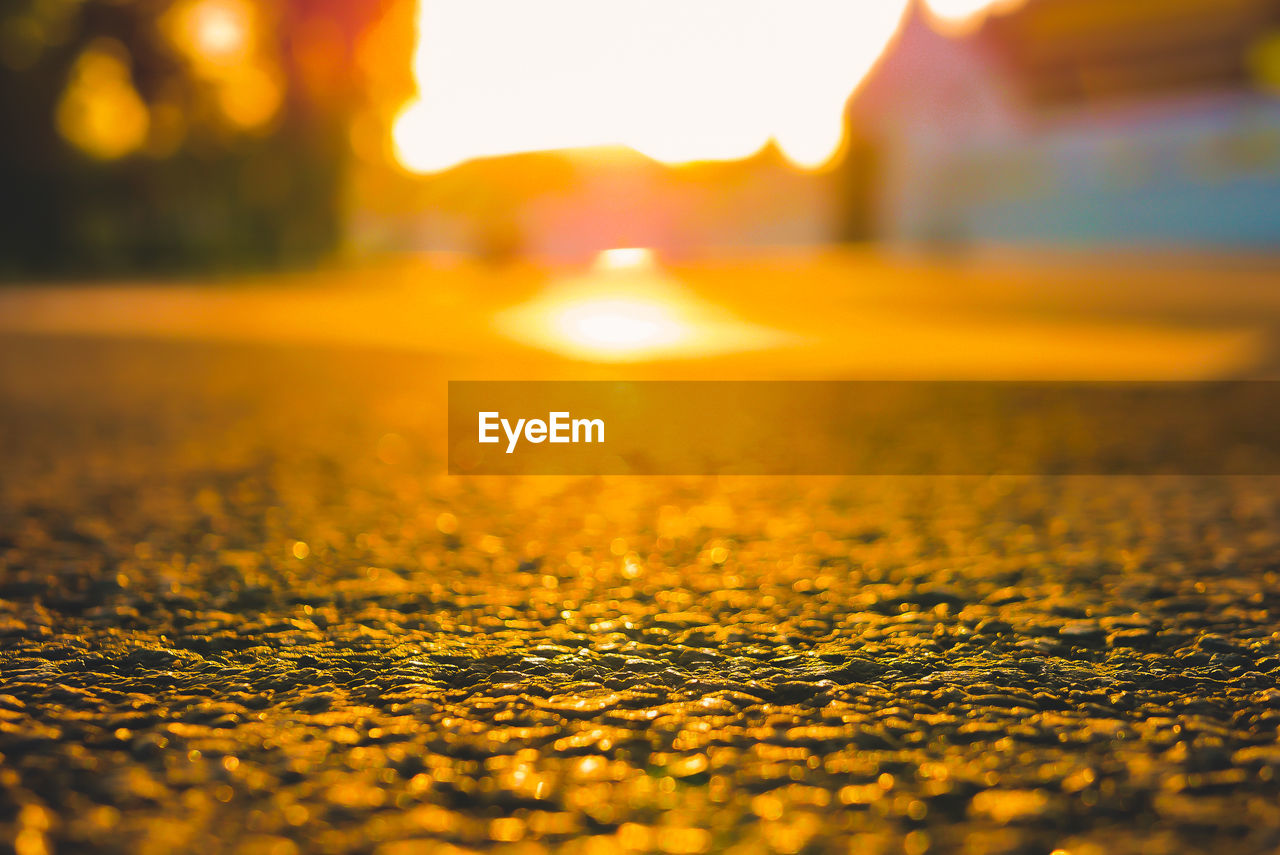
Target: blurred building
[(1081, 122), (570, 205)]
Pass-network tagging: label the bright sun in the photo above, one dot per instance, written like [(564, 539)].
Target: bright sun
[(677, 80)]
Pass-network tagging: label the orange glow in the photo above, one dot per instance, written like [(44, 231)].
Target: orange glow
[(628, 310), (251, 97), (677, 81), (100, 112)]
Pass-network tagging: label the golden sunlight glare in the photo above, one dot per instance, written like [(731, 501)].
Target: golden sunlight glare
[(626, 257), (618, 325), (677, 81), (621, 324), (628, 310)]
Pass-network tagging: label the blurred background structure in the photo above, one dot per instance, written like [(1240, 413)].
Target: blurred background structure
[(159, 135), (1079, 121), (163, 135)]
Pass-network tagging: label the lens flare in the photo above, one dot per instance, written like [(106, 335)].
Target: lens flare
[(677, 81)]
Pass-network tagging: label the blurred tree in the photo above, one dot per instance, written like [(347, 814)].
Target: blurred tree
[(159, 135)]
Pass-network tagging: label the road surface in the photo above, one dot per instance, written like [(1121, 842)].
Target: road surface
[(243, 610)]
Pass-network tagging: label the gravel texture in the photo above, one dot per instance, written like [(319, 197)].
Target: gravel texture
[(241, 610)]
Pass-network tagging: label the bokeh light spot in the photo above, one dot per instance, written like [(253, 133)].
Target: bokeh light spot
[(251, 97), (212, 32), (100, 111)]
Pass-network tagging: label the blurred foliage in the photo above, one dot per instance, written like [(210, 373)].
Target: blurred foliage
[(154, 135)]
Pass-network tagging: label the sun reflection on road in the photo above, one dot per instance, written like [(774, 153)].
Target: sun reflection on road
[(620, 325), (627, 309)]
